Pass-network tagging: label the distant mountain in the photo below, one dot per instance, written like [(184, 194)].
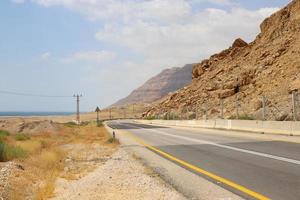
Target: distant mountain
[(169, 80)]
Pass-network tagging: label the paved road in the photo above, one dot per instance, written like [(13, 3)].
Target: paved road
[(270, 168)]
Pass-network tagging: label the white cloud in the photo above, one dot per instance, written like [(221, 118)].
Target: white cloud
[(205, 33), (91, 56), (125, 10), (45, 56), (166, 30), (163, 32)]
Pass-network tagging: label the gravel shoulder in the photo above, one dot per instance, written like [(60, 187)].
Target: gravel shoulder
[(122, 176)]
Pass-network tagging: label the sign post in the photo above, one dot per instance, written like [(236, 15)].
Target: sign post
[(97, 110)]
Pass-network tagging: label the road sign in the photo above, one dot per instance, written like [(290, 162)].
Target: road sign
[(97, 109)]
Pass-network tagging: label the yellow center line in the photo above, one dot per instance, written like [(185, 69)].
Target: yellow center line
[(199, 170)]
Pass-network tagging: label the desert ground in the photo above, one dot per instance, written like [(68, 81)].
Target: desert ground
[(53, 158)]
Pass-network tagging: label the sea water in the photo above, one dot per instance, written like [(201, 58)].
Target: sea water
[(22, 114)]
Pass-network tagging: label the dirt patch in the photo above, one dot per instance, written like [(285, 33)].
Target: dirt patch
[(29, 126), (121, 177), (83, 158)]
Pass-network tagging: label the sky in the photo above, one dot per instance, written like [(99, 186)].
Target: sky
[(103, 49)]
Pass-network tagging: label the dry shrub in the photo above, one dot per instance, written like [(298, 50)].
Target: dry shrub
[(50, 158), (30, 146), (51, 162)]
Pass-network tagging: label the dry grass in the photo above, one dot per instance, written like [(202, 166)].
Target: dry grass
[(46, 158), (30, 146), (51, 164)]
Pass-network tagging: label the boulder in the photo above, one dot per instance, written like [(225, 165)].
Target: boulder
[(238, 43)]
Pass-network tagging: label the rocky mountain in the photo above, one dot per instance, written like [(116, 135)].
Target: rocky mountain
[(238, 78), (169, 80)]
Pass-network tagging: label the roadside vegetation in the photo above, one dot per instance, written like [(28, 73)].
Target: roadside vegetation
[(150, 118), (242, 117), (41, 157), (22, 137)]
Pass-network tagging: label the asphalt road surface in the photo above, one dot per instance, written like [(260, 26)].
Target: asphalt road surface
[(267, 167)]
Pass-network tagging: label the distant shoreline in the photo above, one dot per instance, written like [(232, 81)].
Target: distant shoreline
[(34, 114)]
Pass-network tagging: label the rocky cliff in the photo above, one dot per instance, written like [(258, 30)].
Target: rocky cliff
[(169, 80), (242, 75)]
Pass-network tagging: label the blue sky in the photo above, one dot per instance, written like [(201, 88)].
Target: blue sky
[(104, 49)]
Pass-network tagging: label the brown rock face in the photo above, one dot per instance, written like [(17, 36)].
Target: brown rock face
[(167, 81), (269, 66), (205, 65)]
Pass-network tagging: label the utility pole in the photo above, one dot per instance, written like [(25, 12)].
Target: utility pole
[(237, 104), (110, 113), (187, 113), (205, 111), (124, 110), (198, 110), (222, 108), (133, 114), (77, 96), (263, 108), (294, 98)]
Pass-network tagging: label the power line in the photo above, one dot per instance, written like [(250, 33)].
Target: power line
[(32, 95)]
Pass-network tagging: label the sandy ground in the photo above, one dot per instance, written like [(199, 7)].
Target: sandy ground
[(122, 176)]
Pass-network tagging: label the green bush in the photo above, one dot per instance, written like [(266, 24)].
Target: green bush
[(74, 124), (3, 134), (242, 117), (174, 117), (112, 140), (70, 124), (100, 124), (2, 147), (9, 152), (21, 137), (150, 117), (246, 117)]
